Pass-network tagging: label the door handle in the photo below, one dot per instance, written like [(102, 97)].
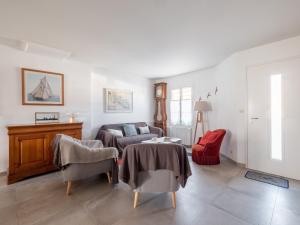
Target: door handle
[(254, 118)]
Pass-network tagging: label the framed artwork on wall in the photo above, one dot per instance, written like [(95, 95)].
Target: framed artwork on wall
[(42, 87), (118, 101)]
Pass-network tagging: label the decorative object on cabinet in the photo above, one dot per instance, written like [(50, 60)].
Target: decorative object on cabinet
[(118, 101), (160, 116), (42, 87), (72, 117), (30, 148), (201, 107), (46, 117)]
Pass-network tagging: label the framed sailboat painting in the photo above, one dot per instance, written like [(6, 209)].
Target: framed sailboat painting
[(42, 87)]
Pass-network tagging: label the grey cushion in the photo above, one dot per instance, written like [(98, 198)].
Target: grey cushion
[(144, 130), (129, 130)]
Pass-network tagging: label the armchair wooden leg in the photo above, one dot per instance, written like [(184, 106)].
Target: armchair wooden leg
[(69, 187), (174, 199), (109, 177), (136, 199)]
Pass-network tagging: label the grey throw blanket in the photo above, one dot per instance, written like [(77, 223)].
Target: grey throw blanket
[(143, 157), (109, 140), (68, 150)]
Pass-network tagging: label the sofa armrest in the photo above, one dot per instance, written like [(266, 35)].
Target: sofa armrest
[(107, 138), (156, 130), (92, 143)]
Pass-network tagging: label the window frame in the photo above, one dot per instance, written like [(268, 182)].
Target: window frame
[(180, 121)]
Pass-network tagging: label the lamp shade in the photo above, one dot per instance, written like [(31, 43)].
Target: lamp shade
[(202, 106)]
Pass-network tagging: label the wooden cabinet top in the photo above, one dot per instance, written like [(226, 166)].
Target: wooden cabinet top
[(13, 128)]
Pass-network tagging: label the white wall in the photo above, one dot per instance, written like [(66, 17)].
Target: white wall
[(142, 98), (230, 103), (83, 93)]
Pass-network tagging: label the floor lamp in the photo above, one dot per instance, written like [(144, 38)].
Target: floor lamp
[(201, 107)]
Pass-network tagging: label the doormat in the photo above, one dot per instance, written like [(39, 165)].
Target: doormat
[(266, 178)]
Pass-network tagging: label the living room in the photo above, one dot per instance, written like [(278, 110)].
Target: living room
[(178, 71)]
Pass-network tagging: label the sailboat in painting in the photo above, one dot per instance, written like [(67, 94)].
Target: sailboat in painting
[(43, 90)]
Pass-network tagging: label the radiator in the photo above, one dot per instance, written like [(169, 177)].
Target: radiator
[(184, 133)]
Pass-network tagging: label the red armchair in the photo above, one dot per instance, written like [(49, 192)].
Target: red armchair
[(207, 150)]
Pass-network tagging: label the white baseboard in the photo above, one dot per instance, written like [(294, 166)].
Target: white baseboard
[(242, 165)]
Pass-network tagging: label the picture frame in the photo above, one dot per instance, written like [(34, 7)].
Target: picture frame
[(46, 117), (42, 87), (118, 100)]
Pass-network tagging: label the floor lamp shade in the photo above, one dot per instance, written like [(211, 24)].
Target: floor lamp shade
[(200, 107)]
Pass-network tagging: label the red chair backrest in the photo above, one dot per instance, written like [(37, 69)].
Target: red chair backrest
[(214, 137)]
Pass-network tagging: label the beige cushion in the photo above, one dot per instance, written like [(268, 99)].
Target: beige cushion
[(144, 130), (118, 133)]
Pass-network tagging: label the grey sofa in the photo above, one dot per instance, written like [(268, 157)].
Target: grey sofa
[(110, 140)]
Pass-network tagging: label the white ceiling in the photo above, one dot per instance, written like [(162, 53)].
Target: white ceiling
[(152, 38)]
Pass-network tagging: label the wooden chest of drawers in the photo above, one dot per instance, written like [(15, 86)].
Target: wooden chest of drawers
[(30, 150)]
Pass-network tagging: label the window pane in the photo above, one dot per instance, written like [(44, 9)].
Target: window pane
[(186, 119), (175, 106), (186, 106), (186, 93), (175, 94), (175, 118), (175, 112), (276, 136)]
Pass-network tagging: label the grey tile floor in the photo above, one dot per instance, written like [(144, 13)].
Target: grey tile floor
[(214, 195)]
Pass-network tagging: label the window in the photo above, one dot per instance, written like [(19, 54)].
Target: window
[(181, 106), (276, 108), (175, 106)]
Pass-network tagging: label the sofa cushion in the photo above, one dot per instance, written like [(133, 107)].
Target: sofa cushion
[(115, 132), (144, 130), (129, 130), (119, 126)]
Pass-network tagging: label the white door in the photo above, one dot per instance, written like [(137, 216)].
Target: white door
[(274, 118)]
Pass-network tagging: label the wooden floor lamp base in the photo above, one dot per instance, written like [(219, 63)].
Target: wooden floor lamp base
[(198, 120)]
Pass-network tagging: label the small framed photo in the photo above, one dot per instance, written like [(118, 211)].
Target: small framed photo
[(46, 117), (42, 87)]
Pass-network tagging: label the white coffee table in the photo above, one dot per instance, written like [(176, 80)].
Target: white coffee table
[(163, 140)]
